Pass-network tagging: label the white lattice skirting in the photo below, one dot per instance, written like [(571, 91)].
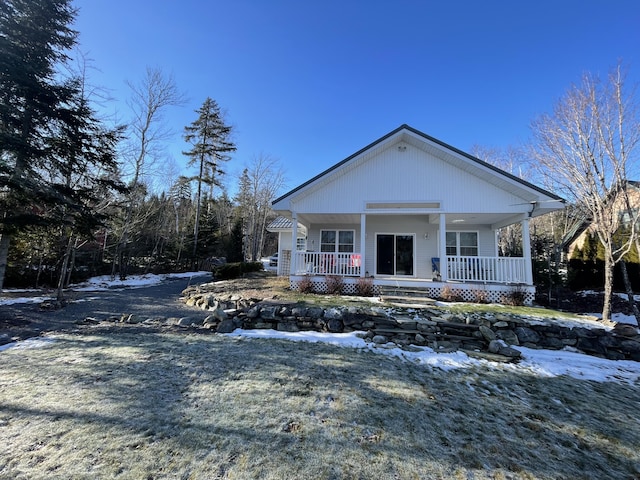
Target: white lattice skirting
[(491, 293)]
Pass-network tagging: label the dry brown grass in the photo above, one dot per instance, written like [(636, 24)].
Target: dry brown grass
[(133, 404)]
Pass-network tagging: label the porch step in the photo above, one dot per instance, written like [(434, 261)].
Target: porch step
[(410, 297)]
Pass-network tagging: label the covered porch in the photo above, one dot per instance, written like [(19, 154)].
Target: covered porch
[(430, 251), (507, 270)]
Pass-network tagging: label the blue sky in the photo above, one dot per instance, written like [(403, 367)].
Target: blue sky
[(310, 82)]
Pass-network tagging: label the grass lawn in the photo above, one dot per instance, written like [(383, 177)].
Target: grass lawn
[(130, 403)]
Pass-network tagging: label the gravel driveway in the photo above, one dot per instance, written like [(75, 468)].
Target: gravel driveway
[(24, 320)]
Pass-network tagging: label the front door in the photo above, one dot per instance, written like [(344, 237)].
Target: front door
[(394, 254)]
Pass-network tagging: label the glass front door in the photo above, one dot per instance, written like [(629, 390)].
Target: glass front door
[(394, 254)]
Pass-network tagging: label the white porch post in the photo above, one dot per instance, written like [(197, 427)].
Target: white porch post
[(294, 242), (526, 251), (363, 240), (442, 248)]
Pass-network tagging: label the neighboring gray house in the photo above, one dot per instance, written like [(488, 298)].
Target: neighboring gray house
[(410, 211)]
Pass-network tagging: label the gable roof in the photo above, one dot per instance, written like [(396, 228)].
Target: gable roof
[(585, 220), (404, 127)]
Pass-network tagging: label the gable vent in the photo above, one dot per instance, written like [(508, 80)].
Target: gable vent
[(400, 205)]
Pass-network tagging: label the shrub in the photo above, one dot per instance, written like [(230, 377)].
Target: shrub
[(334, 284), (364, 286), (449, 295), (480, 296), (305, 285), (515, 297), (230, 271)]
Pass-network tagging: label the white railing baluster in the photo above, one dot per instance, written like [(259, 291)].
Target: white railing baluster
[(487, 269)]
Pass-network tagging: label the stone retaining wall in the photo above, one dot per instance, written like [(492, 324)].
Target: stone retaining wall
[(430, 327)]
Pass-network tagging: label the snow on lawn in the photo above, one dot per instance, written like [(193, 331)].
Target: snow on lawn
[(102, 283), (11, 301), (543, 363), (618, 317), (135, 281)]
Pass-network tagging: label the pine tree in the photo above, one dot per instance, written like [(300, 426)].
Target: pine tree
[(210, 141), (35, 38)]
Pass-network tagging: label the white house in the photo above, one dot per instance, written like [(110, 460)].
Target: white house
[(410, 211)]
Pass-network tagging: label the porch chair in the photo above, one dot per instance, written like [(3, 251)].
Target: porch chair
[(435, 268)]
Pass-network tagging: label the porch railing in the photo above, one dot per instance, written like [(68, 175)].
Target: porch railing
[(487, 269), (328, 263)]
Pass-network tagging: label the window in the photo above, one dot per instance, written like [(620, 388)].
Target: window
[(301, 244), (337, 240), (464, 244), (628, 216)]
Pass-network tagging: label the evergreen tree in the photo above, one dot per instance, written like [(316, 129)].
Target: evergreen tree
[(35, 38), (210, 141)]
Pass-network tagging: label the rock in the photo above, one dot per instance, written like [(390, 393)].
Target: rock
[(631, 346), (508, 336), (408, 323), (625, 330), (299, 311), (333, 314), (253, 312), (526, 335), (550, 342), (188, 321), (590, 345), (351, 319), (420, 340), (4, 339), (425, 322), (368, 324), (315, 312), (379, 339), (89, 321), (263, 325), (501, 324), (226, 326), (499, 347), (335, 325), (131, 319), (268, 313), (219, 314), (211, 302), (288, 327), (487, 333), (191, 301)]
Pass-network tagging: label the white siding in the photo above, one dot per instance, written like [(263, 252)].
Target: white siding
[(409, 175)]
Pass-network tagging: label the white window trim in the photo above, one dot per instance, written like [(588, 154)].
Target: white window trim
[(458, 232), (415, 253), (337, 244)]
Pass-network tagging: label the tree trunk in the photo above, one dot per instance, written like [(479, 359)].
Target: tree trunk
[(5, 240), (608, 288), (197, 221), (629, 291), (63, 270)]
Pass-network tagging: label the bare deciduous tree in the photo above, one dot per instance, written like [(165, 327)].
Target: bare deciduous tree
[(585, 149), (259, 184), (149, 99)]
